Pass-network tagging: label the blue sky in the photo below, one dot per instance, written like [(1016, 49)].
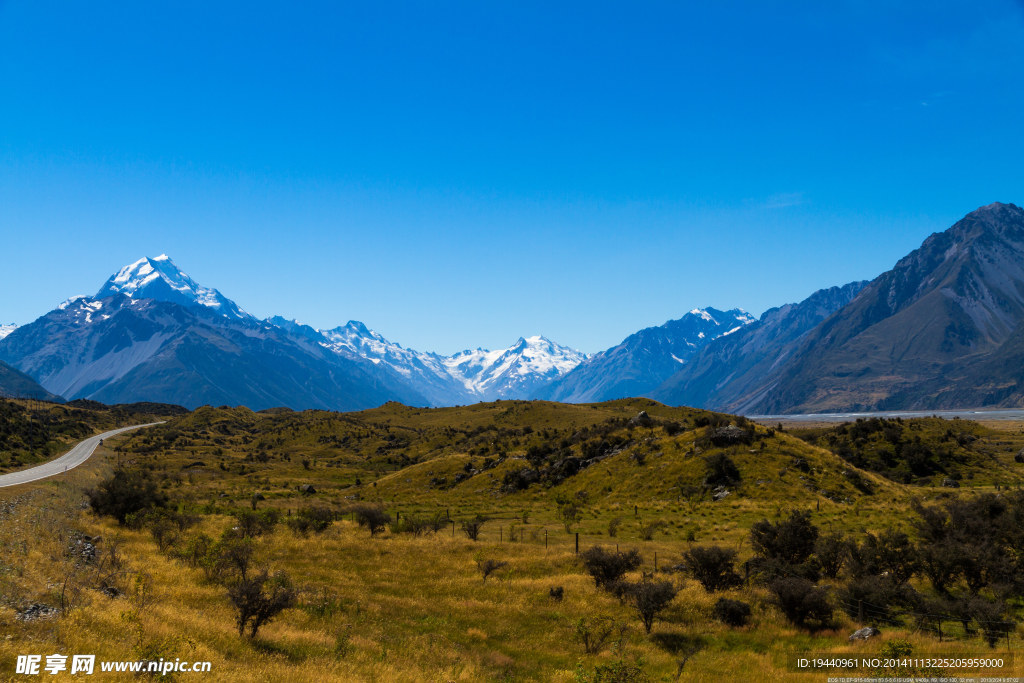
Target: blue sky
[(459, 174)]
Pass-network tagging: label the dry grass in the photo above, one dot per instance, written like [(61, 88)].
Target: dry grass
[(403, 608)]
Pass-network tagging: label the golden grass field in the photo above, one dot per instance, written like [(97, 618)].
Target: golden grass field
[(398, 607)]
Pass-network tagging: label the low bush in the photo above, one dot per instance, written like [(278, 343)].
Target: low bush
[(731, 612), (371, 517), (607, 567), (125, 493), (712, 566), (315, 519)]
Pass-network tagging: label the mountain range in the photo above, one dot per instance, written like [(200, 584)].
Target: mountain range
[(944, 328), (153, 333)]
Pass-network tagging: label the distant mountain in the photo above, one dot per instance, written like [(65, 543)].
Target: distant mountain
[(733, 367), (16, 384), (942, 329), (465, 377), (426, 372), (155, 335), (158, 278), (7, 329), (516, 372), (644, 360)]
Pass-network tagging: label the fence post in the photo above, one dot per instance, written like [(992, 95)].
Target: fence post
[(545, 539), (577, 543), (655, 560)]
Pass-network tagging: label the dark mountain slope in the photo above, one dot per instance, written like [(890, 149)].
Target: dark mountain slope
[(16, 384), (738, 364), (644, 359), (120, 350), (915, 332)]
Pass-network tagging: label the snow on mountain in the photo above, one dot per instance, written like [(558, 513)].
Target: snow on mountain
[(7, 329), (158, 278), (467, 376), (515, 371), (645, 359)]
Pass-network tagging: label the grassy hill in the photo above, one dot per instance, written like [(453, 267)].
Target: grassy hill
[(33, 431)]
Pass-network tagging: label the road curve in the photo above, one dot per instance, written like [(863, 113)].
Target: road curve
[(69, 461)]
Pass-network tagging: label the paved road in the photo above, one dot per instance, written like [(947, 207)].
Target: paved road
[(69, 461)]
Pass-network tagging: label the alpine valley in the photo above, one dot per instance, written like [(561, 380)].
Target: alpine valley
[(944, 328)]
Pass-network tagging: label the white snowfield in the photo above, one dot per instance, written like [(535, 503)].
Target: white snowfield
[(69, 461)]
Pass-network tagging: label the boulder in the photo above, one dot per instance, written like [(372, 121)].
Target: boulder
[(865, 633), (307, 489), (642, 419)]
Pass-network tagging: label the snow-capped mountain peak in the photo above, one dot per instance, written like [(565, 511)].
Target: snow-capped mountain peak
[(158, 278), (7, 329), (465, 376), (514, 371)]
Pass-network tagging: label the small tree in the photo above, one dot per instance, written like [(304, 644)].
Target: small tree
[(712, 566), (228, 560), (371, 517), (593, 632), (801, 602), (259, 599), (650, 598), (831, 551), (253, 523), (613, 526), (608, 567), (473, 527), (570, 514)]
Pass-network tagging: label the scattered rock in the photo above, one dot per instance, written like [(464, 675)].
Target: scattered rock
[(308, 489), (110, 591), (37, 611), (865, 633), (557, 593), (719, 493), (83, 547), (729, 435), (1019, 458), (950, 483), (258, 496)]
